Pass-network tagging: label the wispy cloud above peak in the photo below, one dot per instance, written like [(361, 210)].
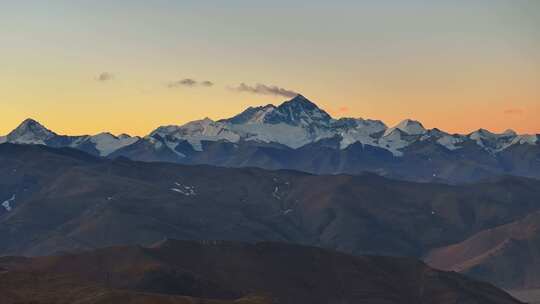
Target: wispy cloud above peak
[(263, 89)]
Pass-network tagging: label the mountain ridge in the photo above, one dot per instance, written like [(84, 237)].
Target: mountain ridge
[(279, 137), (293, 112), (232, 272)]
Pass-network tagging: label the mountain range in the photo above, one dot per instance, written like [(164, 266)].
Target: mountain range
[(65, 200), (299, 135)]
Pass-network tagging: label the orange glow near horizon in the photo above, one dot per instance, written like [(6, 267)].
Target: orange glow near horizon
[(142, 114)]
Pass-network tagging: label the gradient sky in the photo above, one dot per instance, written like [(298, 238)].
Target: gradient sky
[(458, 65)]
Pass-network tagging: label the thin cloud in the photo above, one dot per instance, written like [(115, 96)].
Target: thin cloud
[(263, 89), (189, 82), (105, 77), (513, 112)]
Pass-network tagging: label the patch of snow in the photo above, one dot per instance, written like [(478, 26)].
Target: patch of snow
[(197, 131), (275, 194), (7, 204), (360, 130), (526, 140), (172, 146), (156, 143), (106, 143), (285, 134), (288, 211), (260, 116), (481, 135), (393, 142), (450, 142), (184, 189)]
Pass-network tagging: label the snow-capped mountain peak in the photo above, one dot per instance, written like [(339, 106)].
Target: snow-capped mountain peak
[(493, 142), (408, 126), (30, 132), (195, 132), (300, 111), (299, 121), (205, 127), (300, 102), (106, 143), (359, 130), (294, 123)]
